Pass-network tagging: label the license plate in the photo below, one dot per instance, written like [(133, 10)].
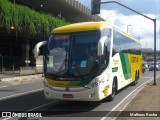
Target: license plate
[(67, 96)]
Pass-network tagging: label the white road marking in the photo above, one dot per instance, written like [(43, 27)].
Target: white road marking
[(4, 86), (34, 108), (24, 94), (41, 106), (125, 99), (147, 77), (6, 97)]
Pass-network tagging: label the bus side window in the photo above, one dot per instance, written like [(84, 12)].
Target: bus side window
[(116, 43)]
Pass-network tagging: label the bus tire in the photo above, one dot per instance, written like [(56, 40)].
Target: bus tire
[(114, 89), (136, 79)]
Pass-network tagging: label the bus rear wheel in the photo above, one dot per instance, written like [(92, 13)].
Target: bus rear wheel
[(136, 79)]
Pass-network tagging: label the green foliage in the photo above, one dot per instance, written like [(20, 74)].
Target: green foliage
[(27, 20)]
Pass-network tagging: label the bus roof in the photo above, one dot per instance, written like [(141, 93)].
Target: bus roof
[(88, 26), (80, 27)]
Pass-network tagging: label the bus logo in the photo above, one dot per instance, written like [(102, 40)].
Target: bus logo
[(116, 62), (67, 89)]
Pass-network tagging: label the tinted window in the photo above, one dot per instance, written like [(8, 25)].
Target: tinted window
[(124, 44)]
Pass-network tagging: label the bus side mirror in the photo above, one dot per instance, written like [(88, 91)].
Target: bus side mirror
[(101, 46), (36, 49)]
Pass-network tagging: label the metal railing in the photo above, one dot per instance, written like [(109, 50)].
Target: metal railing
[(10, 64)]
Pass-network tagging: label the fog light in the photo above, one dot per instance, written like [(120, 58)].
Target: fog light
[(91, 95), (47, 94)]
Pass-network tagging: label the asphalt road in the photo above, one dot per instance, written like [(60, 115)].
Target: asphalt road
[(28, 97)]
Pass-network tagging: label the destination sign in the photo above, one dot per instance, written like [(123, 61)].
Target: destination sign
[(61, 37)]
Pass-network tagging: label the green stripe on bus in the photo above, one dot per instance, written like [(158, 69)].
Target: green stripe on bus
[(80, 82), (125, 65)]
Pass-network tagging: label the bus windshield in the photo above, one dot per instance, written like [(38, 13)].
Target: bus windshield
[(55, 60), (73, 55)]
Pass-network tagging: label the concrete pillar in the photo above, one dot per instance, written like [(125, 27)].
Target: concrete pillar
[(25, 52), (10, 49)]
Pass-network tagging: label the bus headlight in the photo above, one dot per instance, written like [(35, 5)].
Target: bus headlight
[(92, 85), (45, 84)]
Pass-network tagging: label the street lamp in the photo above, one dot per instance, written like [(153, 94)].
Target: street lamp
[(127, 27), (42, 10)]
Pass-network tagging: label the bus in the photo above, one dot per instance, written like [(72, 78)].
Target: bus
[(90, 61)]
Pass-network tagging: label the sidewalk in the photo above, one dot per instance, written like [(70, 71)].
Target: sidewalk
[(146, 101), (16, 79)]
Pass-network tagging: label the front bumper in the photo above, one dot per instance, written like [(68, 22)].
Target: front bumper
[(74, 94)]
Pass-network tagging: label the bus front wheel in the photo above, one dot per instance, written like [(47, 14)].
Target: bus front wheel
[(114, 89)]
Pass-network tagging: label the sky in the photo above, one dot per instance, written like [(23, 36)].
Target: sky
[(138, 26)]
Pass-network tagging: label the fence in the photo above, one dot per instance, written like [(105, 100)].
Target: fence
[(1, 63), (13, 65), (10, 63)]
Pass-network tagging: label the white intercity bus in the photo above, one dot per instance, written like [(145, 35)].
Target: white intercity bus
[(89, 61)]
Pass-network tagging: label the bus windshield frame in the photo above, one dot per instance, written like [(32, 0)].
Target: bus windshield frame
[(72, 56)]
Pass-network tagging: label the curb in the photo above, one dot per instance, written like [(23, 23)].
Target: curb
[(136, 92), (22, 77)]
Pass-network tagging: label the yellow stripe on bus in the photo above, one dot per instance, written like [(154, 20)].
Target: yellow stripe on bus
[(58, 83)]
